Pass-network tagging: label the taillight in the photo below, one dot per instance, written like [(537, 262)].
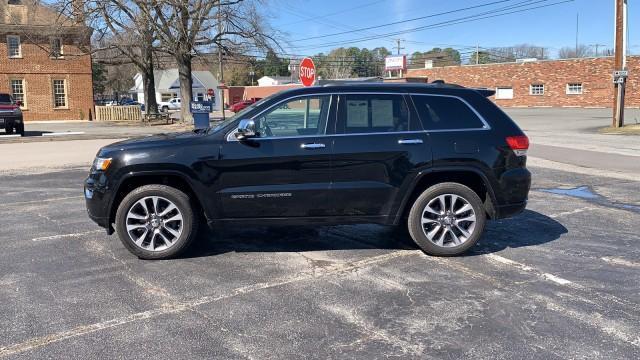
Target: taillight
[(519, 144)]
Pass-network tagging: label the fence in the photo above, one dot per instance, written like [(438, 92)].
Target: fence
[(118, 113)]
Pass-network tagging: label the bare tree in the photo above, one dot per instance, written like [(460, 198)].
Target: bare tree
[(187, 27), (127, 36), (569, 52)]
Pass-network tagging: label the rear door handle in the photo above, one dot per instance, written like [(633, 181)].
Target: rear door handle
[(312, 146), (409, 141)]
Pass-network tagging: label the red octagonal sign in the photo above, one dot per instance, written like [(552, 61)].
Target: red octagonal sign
[(307, 72)]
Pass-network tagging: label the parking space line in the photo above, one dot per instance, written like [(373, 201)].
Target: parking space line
[(575, 211), (619, 261), (556, 279), (172, 307), (43, 200), (62, 236)]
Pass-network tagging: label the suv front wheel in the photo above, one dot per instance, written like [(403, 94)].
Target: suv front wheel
[(447, 219), (156, 222)]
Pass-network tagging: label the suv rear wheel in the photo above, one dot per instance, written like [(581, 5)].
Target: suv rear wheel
[(156, 222), (447, 219)]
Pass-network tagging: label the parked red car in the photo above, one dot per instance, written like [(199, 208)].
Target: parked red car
[(243, 104)]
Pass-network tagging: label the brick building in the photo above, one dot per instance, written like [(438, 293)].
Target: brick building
[(584, 82), (45, 61)]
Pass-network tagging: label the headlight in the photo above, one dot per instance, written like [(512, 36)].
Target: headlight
[(101, 164)]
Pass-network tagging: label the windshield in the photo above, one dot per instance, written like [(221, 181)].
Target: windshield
[(240, 114), (5, 99)]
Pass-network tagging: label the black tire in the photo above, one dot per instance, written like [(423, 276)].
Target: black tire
[(8, 129), (20, 129), (190, 221), (165, 109), (415, 219)]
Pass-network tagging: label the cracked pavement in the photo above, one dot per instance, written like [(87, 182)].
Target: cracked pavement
[(560, 280)]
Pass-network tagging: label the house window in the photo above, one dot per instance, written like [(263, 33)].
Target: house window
[(57, 50), (574, 89), (199, 97), (13, 46), (17, 90), (164, 97), (59, 94), (536, 89), (504, 92)]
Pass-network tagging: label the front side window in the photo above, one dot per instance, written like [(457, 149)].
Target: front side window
[(302, 116), (59, 94), (536, 89), (56, 48), (574, 89), (373, 113), (17, 90), (14, 47), (446, 113)]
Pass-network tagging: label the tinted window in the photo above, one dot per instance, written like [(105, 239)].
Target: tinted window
[(373, 113), (5, 99), (301, 116), (445, 113)]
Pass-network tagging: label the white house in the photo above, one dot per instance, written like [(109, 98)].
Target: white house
[(168, 86), (274, 80)]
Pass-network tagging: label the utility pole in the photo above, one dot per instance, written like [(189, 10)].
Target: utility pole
[(577, 28), (597, 46), (398, 45), (619, 62), (220, 71)]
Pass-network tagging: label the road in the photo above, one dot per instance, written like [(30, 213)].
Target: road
[(559, 281)]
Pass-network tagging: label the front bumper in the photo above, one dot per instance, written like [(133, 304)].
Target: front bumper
[(7, 119), (97, 199)]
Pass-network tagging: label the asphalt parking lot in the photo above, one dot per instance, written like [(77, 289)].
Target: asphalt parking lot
[(560, 280)]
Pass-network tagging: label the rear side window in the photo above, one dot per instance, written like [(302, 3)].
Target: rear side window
[(445, 113), (373, 113)]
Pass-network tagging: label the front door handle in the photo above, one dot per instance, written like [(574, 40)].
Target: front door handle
[(312, 146), (409, 141)]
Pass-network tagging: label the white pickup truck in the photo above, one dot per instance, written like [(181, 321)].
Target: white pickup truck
[(173, 104)]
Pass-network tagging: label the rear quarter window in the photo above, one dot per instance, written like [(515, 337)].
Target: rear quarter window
[(445, 113)]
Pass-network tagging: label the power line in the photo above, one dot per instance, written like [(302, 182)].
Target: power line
[(462, 20), (405, 21)]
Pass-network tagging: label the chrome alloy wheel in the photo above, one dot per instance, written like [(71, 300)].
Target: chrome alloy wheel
[(448, 220), (154, 223)]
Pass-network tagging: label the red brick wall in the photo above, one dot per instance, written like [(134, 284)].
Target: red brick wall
[(39, 70), (595, 74)]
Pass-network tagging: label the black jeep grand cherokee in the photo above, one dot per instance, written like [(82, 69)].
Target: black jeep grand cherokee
[(438, 159)]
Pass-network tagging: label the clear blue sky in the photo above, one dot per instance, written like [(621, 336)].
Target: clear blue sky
[(552, 27)]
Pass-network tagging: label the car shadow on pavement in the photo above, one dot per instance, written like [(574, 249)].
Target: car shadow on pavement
[(297, 239), (529, 228)]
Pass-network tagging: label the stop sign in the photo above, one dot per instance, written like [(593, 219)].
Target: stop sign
[(210, 92), (307, 72)]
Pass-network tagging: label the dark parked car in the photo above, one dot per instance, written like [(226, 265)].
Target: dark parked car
[(436, 159), (10, 115)]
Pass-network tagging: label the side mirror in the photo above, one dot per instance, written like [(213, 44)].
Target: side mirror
[(19, 103), (246, 129)]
